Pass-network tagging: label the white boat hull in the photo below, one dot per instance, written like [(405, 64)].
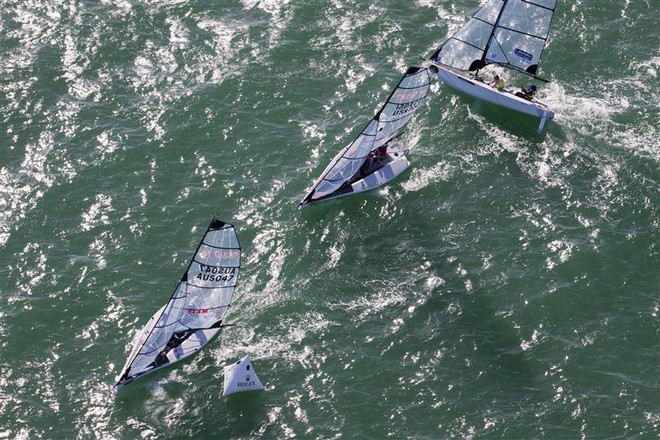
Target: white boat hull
[(397, 164), (187, 348), (485, 92)]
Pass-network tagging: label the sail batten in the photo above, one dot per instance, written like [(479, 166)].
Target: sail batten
[(200, 301)]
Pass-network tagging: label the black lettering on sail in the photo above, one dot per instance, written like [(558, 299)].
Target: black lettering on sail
[(214, 277), (203, 268)]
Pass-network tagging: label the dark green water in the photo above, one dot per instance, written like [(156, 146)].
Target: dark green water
[(506, 286)]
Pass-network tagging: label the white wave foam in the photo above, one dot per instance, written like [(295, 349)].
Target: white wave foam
[(97, 214), (281, 16), (422, 177)]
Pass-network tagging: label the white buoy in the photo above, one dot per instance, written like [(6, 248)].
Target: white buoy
[(240, 376)]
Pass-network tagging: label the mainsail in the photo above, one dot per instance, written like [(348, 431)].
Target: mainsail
[(196, 309), (511, 33), (387, 124)]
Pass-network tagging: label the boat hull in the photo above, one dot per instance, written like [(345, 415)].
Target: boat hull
[(397, 163), (383, 175), (483, 91), (188, 347)]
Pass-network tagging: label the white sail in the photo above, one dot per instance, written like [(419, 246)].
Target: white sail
[(348, 161), (511, 33), (240, 376), (196, 310), (387, 124), (402, 104)]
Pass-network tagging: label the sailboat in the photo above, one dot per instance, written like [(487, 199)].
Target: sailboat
[(196, 310), (375, 157), (508, 33)]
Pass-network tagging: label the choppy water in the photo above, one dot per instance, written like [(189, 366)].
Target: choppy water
[(506, 286)]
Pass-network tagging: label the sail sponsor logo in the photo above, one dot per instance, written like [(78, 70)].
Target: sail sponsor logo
[(523, 55), (197, 311), (409, 96), (228, 254)]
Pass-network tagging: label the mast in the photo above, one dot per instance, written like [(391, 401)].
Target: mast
[(481, 63), (492, 32)]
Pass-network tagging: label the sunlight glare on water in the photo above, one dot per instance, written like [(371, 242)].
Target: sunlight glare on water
[(504, 286)]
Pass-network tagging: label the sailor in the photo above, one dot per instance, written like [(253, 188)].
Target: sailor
[(498, 83), (527, 93), (364, 169), (176, 340)]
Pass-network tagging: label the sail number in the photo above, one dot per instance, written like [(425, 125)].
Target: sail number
[(407, 107), (214, 273)]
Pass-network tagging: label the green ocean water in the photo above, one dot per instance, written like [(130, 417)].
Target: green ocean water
[(506, 286)]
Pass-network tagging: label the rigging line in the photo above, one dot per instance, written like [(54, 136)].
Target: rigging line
[(478, 19), (221, 247), (538, 5), (522, 71), (412, 87), (207, 287), (493, 37), (222, 265), (201, 308), (466, 43)]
